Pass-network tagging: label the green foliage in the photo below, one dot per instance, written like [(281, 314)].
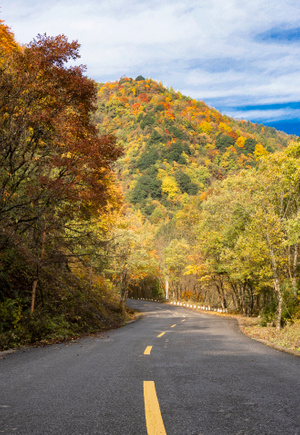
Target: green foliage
[(155, 138), (174, 153), (250, 145), (146, 186), (183, 180), (159, 108), (70, 310), (139, 78), (148, 209), (185, 184), (268, 313), (224, 141), (291, 309), (147, 121), (176, 132), (147, 159), (193, 189), (10, 314)]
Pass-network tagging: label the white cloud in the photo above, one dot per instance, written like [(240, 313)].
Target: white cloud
[(207, 49), (269, 115)]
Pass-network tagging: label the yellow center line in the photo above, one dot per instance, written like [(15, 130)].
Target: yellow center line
[(173, 325), (148, 350), (161, 334), (154, 421), (183, 320)]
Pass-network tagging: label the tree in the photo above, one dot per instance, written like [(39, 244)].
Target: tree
[(224, 141), (146, 186), (133, 256), (246, 225), (147, 159), (249, 145), (185, 184), (176, 260), (139, 78), (8, 44), (53, 166), (170, 187)]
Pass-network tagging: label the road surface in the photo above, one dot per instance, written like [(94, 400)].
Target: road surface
[(174, 371)]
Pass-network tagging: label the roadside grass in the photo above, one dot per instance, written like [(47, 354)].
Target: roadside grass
[(287, 338)]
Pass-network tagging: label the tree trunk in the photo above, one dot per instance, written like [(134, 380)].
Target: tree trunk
[(221, 293), (249, 299), (294, 276), (123, 290), (36, 280), (276, 282), (279, 308), (167, 287)]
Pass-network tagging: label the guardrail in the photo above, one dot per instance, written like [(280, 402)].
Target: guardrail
[(183, 304)]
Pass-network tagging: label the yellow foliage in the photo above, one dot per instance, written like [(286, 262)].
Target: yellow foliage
[(241, 141), (7, 40), (169, 186), (206, 127), (224, 127), (260, 151), (203, 196)]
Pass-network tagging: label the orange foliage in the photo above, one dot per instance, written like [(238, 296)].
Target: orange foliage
[(144, 98), (233, 134), (7, 41)]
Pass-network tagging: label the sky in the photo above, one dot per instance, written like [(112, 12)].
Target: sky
[(243, 58)]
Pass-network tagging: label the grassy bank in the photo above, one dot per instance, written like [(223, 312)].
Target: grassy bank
[(288, 338)]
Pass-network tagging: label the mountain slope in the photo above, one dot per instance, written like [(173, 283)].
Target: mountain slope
[(175, 147)]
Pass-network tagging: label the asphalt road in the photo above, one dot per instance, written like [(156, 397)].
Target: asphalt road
[(205, 376)]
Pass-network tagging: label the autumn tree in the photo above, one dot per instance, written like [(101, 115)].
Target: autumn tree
[(249, 230), (176, 260), (133, 254), (54, 167)]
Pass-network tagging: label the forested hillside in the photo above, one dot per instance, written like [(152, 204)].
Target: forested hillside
[(175, 147), (219, 200)]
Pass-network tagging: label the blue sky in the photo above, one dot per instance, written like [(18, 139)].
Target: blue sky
[(243, 58)]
